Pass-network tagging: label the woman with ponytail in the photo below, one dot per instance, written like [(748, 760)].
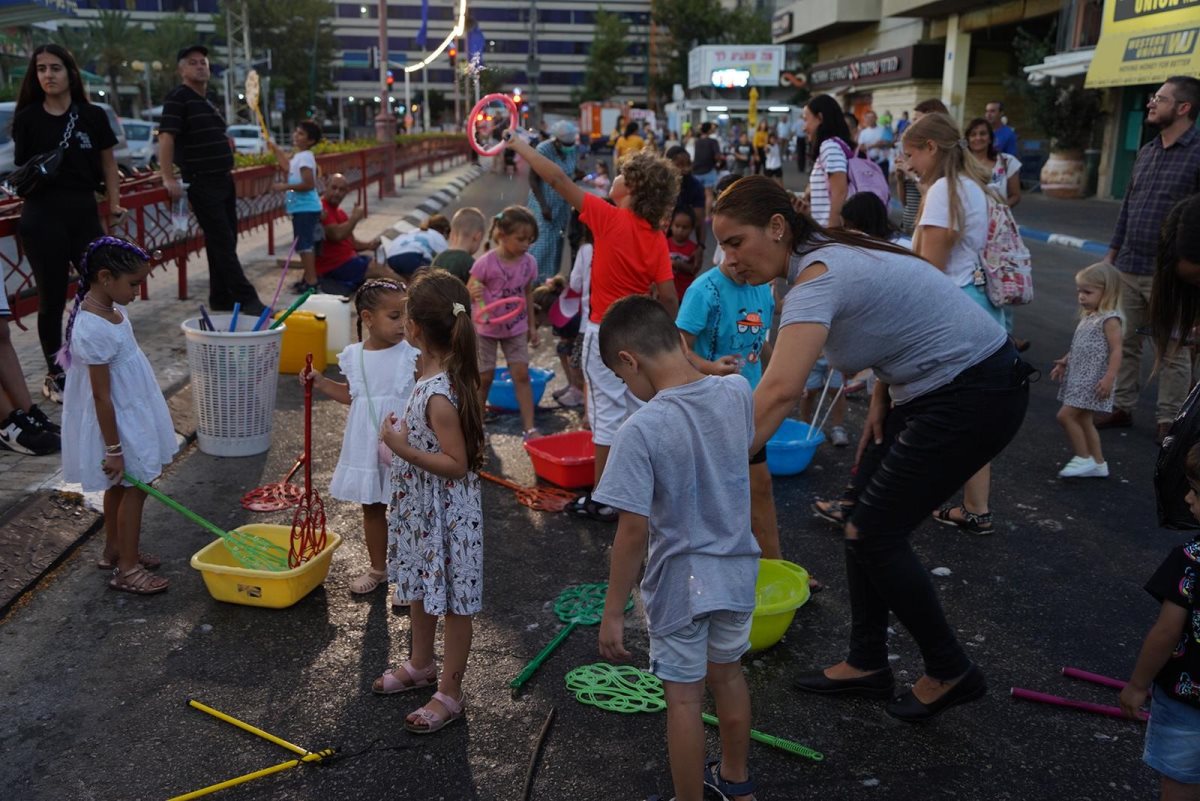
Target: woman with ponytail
[(115, 420), (951, 394), (952, 230), (435, 520)]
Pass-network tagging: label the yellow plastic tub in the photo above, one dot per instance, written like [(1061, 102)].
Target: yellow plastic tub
[(782, 588), (230, 582)]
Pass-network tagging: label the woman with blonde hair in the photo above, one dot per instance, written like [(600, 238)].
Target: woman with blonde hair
[(952, 229)]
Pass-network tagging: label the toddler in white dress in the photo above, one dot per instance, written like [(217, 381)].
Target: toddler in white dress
[(115, 420), (380, 373)]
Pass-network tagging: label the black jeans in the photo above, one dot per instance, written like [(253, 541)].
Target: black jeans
[(931, 446), (56, 227), (214, 202)]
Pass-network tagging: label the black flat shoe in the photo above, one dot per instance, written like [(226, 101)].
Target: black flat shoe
[(880, 684), (971, 687)]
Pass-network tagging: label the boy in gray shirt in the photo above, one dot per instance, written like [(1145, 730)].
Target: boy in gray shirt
[(679, 476)]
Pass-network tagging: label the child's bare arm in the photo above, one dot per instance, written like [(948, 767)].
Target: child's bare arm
[(726, 365), (1112, 333), (628, 551), (452, 462), (667, 297), (106, 417), (329, 388), (535, 338), (549, 172), (1156, 650)]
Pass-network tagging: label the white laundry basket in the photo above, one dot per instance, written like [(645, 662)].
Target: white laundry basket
[(234, 376)]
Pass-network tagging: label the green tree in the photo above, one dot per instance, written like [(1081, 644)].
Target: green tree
[(114, 41), (160, 44), (691, 23), (300, 36), (603, 77)]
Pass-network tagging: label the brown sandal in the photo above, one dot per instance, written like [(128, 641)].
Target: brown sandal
[(146, 560), (836, 512), (138, 581)]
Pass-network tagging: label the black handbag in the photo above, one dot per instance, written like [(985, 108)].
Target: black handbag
[(1170, 482), (41, 169)]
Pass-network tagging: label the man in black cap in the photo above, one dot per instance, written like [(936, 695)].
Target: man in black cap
[(192, 134)]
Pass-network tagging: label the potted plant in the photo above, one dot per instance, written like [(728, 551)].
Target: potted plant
[(1064, 111), (1068, 114)]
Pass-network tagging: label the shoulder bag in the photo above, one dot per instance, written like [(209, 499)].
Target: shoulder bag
[(41, 169)]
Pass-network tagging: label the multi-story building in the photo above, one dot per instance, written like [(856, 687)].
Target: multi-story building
[(555, 33)]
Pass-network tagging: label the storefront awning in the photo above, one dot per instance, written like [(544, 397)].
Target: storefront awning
[(1145, 42), (1061, 65)]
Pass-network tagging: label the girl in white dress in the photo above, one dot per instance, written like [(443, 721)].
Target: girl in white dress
[(380, 372), (435, 523), (115, 419)]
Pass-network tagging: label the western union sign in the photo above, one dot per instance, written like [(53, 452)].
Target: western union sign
[(1145, 42)]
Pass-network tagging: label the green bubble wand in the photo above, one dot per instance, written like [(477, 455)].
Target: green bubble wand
[(581, 605)]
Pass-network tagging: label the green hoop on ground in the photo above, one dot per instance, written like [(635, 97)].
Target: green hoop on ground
[(617, 688)]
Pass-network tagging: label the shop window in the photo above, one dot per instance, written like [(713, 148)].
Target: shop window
[(1079, 25)]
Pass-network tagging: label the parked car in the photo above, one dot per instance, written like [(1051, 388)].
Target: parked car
[(120, 151), (247, 139), (142, 137)]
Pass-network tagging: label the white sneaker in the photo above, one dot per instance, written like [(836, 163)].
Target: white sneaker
[(838, 437), (397, 601), (1099, 471), (571, 399), (1079, 467)]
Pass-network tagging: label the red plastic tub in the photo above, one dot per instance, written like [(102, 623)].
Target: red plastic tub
[(567, 460)]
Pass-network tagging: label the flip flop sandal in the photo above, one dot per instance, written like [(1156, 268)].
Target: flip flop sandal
[(835, 512), (368, 582), (972, 522), (428, 721), (138, 581), (578, 506), (596, 511), (389, 684), (146, 560)]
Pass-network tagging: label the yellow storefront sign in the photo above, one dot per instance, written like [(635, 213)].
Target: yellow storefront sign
[(1146, 41)]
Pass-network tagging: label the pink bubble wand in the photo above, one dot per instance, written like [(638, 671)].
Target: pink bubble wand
[(1071, 703)]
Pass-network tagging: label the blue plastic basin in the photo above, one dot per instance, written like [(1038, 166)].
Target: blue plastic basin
[(502, 394), (788, 451)]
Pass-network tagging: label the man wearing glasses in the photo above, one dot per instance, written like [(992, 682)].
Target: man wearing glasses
[(1167, 170)]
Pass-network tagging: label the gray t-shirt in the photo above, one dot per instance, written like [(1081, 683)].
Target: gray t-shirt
[(682, 460), (898, 315)]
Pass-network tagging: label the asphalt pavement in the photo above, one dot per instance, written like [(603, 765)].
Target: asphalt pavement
[(94, 683)]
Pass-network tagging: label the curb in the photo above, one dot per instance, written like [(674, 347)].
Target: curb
[(179, 401), (432, 204), (1066, 240)]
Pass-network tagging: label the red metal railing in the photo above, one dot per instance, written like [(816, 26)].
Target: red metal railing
[(149, 220)]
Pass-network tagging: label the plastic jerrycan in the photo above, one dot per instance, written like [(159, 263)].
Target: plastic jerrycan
[(340, 320), (303, 333)]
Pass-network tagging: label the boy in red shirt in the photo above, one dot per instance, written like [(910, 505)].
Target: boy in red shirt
[(630, 258)]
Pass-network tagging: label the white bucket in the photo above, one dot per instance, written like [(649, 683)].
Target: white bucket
[(234, 376)]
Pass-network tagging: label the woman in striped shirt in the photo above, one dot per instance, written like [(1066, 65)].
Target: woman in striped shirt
[(825, 126)]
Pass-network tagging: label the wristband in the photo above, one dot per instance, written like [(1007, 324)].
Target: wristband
[(108, 454), (112, 448)]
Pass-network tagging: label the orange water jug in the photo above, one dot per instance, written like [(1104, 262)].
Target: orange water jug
[(303, 333)]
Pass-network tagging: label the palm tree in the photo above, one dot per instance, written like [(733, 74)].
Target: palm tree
[(114, 42)]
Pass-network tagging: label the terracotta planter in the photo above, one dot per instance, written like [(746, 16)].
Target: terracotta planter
[(1064, 174)]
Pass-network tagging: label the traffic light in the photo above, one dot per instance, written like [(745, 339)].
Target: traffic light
[(391, 79), (453, 53)]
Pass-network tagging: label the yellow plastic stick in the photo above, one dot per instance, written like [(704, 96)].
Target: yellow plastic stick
[(258, 774), (295, 749)]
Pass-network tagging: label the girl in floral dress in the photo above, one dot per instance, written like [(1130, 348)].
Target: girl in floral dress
[(435, 520)]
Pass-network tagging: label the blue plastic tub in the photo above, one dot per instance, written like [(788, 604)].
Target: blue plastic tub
[(788, 452), (502, 394)]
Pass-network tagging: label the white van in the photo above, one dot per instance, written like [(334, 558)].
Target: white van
[(247, 139), (142, 137)]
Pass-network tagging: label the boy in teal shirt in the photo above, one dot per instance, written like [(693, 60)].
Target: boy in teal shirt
[(725, 322)]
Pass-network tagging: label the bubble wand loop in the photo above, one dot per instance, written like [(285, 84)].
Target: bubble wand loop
[(252, 90), (474, 116)]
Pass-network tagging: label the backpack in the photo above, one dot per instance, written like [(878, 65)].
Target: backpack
[(864, 175), (1005, 259)]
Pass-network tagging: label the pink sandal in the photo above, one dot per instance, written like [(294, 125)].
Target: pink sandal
[(427, 721), (390, 684)]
